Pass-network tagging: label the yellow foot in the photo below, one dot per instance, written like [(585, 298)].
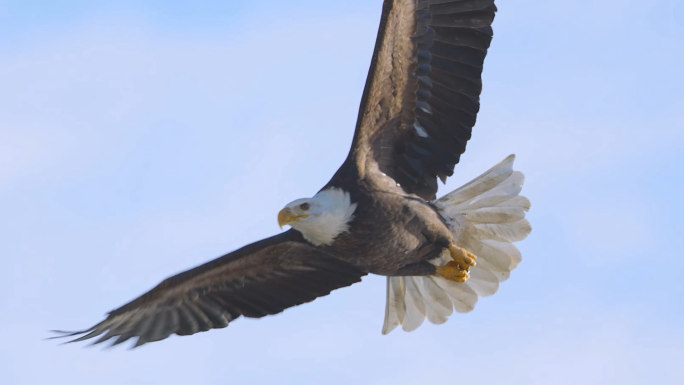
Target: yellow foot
[(457, 270), (464, 258), (453, 272)]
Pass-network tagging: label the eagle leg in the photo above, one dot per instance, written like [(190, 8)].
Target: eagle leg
[(457, 270), (464, 258)]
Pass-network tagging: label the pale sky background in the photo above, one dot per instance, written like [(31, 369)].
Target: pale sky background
[(141, 139)]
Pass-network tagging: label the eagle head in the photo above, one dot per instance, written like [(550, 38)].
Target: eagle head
[(321, 218)]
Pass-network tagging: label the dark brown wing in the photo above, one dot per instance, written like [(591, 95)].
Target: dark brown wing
[(263, 278), (422, 92)]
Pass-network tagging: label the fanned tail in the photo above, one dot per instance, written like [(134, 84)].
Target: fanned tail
[(486, 215)]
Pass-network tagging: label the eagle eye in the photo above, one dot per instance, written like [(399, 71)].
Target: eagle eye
[(304, 206)]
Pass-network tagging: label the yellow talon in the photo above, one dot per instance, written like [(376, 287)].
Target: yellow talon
[(457, 270), (453, 272), (464, 258)]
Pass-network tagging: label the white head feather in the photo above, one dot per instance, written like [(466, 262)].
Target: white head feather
[(323, 217)]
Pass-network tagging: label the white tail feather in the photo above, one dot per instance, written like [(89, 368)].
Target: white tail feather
[(415, 306), (437, 304), (485, 216)]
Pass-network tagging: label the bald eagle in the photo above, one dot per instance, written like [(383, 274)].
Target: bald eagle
[(379, 212)]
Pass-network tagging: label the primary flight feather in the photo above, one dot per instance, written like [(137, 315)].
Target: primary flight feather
[(378, 213)]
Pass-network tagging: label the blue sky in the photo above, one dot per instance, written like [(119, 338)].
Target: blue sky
[(140, 139)]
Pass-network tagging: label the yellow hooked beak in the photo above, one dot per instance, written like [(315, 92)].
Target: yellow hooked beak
[(285, 217)]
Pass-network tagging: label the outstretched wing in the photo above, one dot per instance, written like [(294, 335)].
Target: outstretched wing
[(422, 92), (263, 278)]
